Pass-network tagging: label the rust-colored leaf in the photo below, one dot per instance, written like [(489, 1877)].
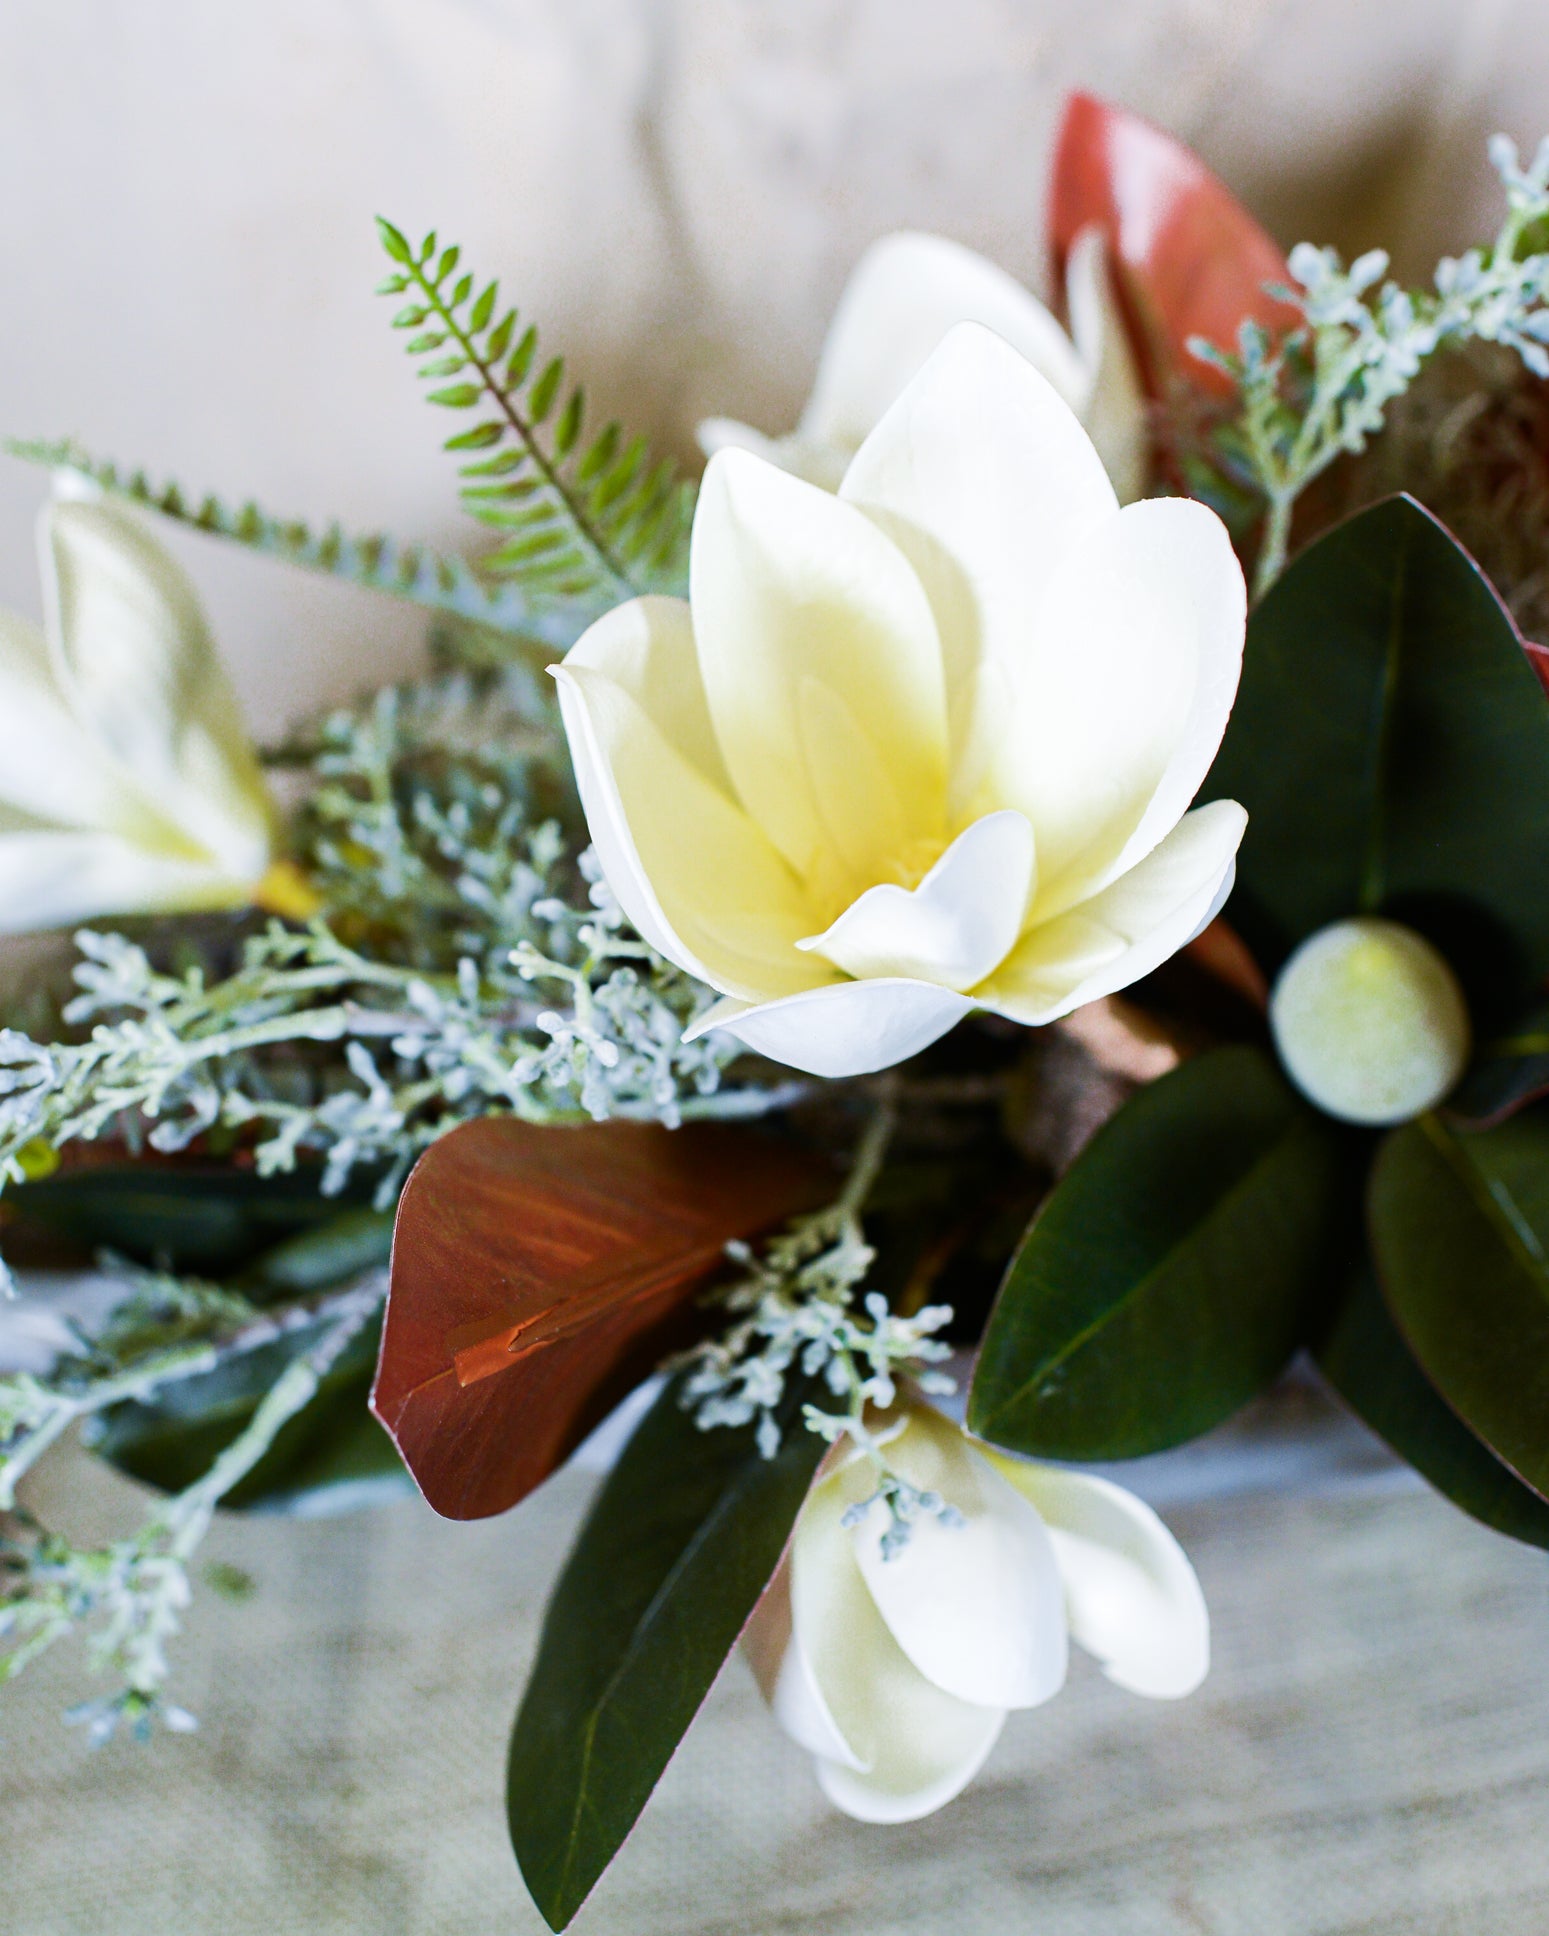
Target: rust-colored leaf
[(1191, 260), (537, 1272), (1222, 953)]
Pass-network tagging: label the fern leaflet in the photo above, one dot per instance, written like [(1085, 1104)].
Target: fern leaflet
[(382, 564), (590, 521)]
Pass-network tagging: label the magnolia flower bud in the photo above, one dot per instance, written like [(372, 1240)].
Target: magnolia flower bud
[(1370, 1021), (894, 1662)]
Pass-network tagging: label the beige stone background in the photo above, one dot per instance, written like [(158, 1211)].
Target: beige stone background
[(676, 189)]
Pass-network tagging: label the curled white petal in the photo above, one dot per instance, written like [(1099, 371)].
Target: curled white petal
[(957, 925), (910, 1745), (1134, 1600), (848, 1028), (977, 1606)]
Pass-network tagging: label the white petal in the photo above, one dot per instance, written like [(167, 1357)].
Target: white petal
[(137, 666), (1133, 1597), (819, 463), (50, 767), (1127, 930), (1136, 648), (1115, 408), (906, 292), (978, 1607), (690, 869), (794, 595), (647, 647), (850, 1028), (957, 925), (785, 1676), (50, 878), (983, 476), (910, 1747)]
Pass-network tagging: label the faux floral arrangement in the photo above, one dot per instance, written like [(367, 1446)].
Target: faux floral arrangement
[(824, 970)]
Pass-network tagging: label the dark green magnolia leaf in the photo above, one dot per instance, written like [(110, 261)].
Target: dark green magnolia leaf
[(208, 1220), (331, 1455), (1460, 1237), (1509, 1071), (1173, 1271), (1391, 744), (682, 1540), (1367, 1362)]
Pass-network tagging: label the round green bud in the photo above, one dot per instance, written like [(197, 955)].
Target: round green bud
[(1370, 1021)]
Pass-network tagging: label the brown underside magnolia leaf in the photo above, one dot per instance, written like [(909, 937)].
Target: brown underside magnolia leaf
[(1191, 260), (537, 1272)]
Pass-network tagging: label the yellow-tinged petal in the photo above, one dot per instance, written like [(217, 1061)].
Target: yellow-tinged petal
[(794, 591), (849, 1028), (692, 871), (135, 662), (1133, 1598), (1122, 697), (785, 1677), (647, 647), (1128, 929), (1114, 412), (912, 1746), (956, 926), (906, 292), (51, 878), (984, 478), (977, 1606), (51, 770)]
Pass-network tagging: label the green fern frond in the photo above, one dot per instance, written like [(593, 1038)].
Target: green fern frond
[(411, 571), (582, 519)]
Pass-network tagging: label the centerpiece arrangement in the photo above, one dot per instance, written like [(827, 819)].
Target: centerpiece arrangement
[(893, 898)]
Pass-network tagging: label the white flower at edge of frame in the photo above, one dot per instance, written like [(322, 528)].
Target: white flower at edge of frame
[(127, 781), (897, 1674), (906, 292), (925, 745)]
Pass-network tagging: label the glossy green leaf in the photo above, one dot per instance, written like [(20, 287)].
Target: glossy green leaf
[(1391, 744), (1460, 1236), (1368, 1363), (211, 1221), (682, 1540), (1509, 1070), (331, 1455), (1174, 1269)]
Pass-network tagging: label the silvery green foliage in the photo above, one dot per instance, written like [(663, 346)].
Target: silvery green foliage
[(493, 971), (794, 1306), (1326, 389), (133, 1591)]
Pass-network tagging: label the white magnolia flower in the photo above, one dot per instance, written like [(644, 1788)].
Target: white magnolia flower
[(897, 1674), (127, 783), (906, 292), (925, 745)]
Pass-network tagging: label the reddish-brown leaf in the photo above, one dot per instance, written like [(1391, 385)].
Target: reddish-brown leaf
[(1222, 953), (1538, 659), (1190, 259), (537, 1272)]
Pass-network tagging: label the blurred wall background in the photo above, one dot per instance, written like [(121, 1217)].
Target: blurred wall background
[(674, 189)]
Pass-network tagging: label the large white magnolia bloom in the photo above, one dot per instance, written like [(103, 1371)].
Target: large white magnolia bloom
[(897, 1674), (925, 745), (906, 292), (127, 782)]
